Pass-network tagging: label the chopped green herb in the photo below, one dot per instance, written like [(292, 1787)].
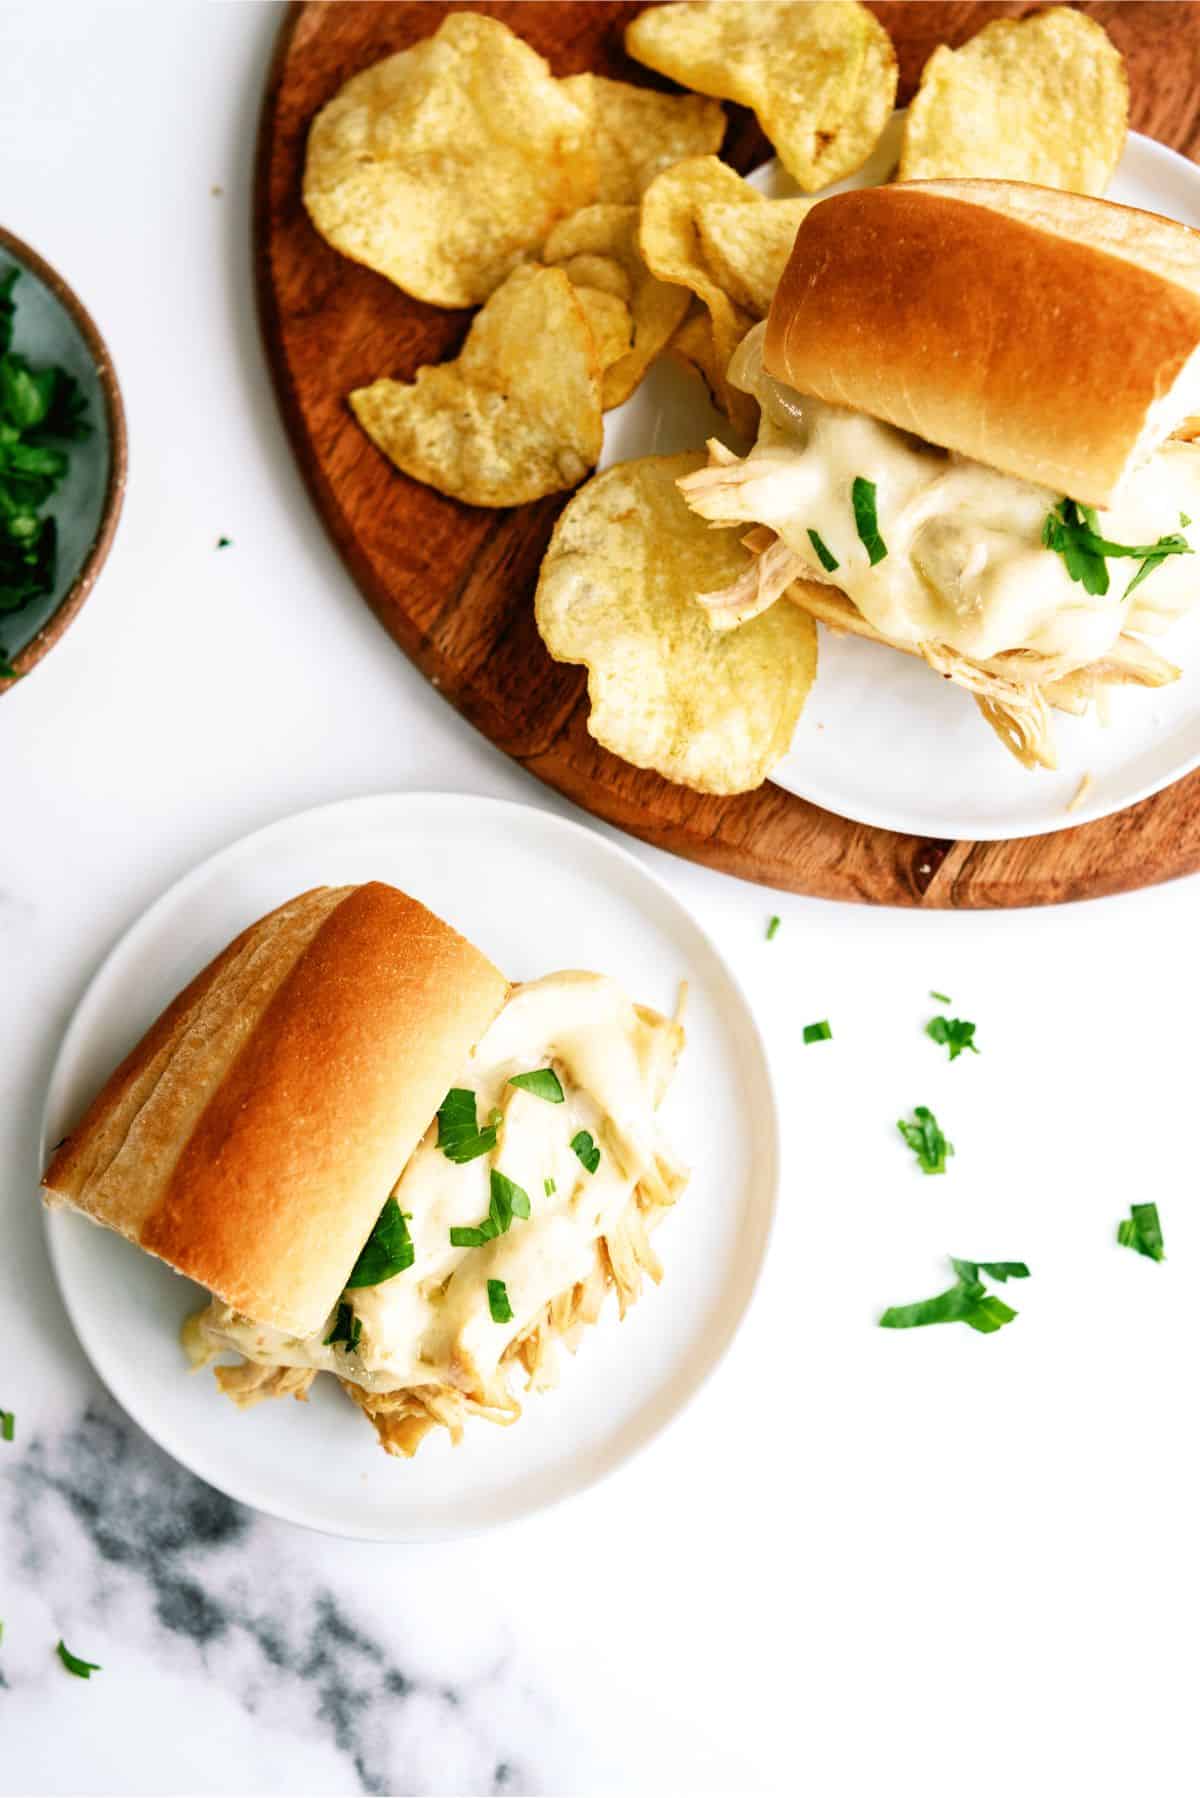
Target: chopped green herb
[(498, 1303), (966, 1302), (942, 998), (995, 1270), (862, 495), (508, 1200), (818, 1033), (1142, 1231), (1184, 519), (347, 1329), (586, 1149), (41, 410), (8, 1424), (924, 1137), (772, 929), (825, 555), (1071, 532), (543, 1083), (224, 542), (388, 1249), (73, 1664), (955, 1033), (461, 1137), (549, 1188)]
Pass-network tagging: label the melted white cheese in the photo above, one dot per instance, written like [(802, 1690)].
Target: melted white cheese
[(433, 1321), (965, 564)]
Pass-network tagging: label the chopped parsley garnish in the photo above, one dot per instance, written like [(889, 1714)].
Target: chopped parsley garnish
[(862, 495), (549, 1187), (508, 1201), (773, 929), (347, 1329), (924, 1137), (224, 542), (498, 1303), (955, 1033), (825, 555), (942, 998), (1184, 520), (966, 1302), (8, 1424), (543, 1083), (388, 1249), (41, 410), (460, 1135), (1142, 1231), (818, 1033), (585, 1147), (73, 1664), (1071, 531)]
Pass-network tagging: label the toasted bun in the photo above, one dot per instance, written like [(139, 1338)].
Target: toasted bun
[(1046, 334), (252, 1136)]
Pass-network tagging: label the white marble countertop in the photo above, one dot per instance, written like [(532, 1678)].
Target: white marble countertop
[(926, 1563)]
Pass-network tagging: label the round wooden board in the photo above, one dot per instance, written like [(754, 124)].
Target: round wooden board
[(454, 586)]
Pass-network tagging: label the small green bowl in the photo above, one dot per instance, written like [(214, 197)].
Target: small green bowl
[(52, 326)]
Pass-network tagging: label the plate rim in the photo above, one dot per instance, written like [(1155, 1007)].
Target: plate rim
[(75, 1034), (907, 824)]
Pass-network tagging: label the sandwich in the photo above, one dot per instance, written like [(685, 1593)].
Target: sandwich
[(385, 1163), (977, 410)]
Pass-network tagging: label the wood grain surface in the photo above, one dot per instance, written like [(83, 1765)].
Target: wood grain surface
[(454, 585)]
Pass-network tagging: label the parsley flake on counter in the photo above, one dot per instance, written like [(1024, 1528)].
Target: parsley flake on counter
[(224, 542), (1072, 532), (388, 1249), (498, 1304), (347, 1329), (508, 1201), (1142, 1231), (41, 410), (924, 1137), (942, 998), (73, 1664), (956, 1034), (818, 1033), (773, 929), (549, 1187), (543, 1083), (825, 555), (862, 495), (8, 1424), (585, 1147), (966, 1302), (460, 1135)]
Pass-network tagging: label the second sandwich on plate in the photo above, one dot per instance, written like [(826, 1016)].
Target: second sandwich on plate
[(384, 1162), (978, 400)]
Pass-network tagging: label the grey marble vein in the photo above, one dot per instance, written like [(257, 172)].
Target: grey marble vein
[(232, 1594)]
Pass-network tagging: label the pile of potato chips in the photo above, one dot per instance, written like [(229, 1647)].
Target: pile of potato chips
[(594, 224)]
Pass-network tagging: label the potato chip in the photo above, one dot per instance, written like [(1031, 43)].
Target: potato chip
[(609, 320), (670, 241), (444, 165), (515, 417), (820, 74), (747, 247), (637, 132), (611, 232), (693, 345), (603, 272), (712, 710), (1042, 99)]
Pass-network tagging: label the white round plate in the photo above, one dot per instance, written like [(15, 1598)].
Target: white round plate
[(536, 894), (882, 740)]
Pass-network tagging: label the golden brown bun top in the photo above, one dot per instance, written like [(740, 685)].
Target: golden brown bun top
[(253, 1135), (1040, 332)]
